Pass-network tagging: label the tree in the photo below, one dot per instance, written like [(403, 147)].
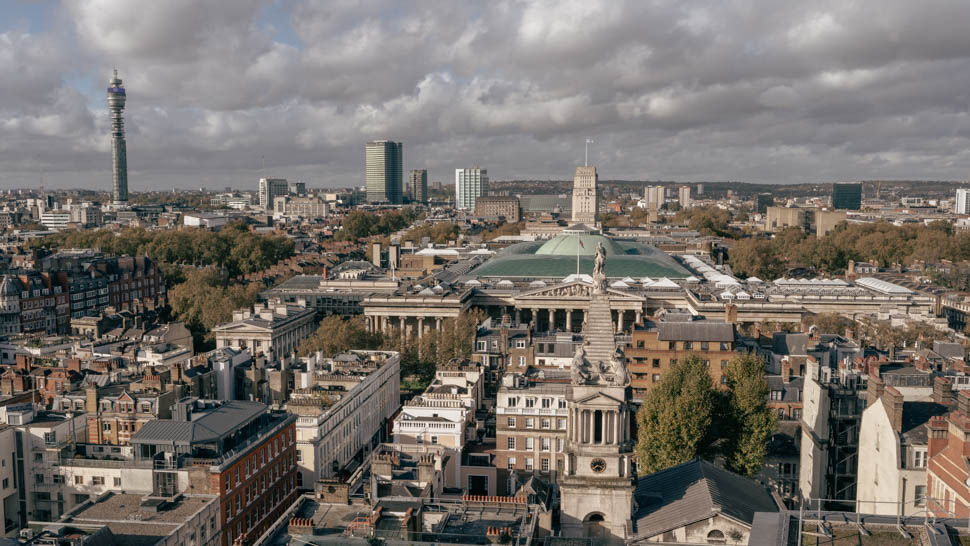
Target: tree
[(832, 323), (337, 334), (203, 301), (675, 419), (751, 422), (357, 225)]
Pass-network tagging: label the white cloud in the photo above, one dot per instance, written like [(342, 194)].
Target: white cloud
[(729, 90)]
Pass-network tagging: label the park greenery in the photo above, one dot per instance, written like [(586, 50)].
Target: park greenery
[(685, 417), (360, 224), (881, 243), (205, 300), (234, 250)]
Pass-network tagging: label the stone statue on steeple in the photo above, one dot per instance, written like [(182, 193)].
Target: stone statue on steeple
[(599, 269)]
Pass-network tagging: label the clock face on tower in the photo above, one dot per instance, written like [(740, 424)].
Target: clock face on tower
[(597, 465)]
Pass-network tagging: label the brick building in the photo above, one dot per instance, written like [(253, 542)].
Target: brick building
[(657, 346), (488, 206), (237, 450)]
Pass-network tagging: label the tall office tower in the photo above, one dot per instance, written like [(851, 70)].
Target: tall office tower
[(684, 197), (585, 196), (470, 184), (847, 196), (418, 185), (384, 164), (119, 155), (963, 202), (269, 190), (654, 196), (700, 189)]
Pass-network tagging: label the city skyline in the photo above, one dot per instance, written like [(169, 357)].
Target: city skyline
[(765, 93)]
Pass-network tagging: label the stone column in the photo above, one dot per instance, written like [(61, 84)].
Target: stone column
[(535, 317), (569, 320), (639, 317), (552, 319), (420, 327), (437, 323), (518, 316), (619, 321)]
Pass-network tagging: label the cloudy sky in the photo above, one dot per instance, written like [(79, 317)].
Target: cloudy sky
[(723, 90)]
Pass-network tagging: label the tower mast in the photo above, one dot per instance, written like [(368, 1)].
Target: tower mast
[(119, 155)]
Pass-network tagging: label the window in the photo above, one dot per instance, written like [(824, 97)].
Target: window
[(530, 402), (545, 464), (38, 478), (78, 480), (481, 346), (510, 422), (528, 463), (117, 482), (688, 345), (530, 422), (655, 377), (777, 395), (656, 363), (434, 440), (920, 495), (511, 443), (546, 444), (561, 423), (724, 364), (6, 483), (705, 346), (545, 423), (521, 361), (529, 444), (520, 344), (513, 401), (919, 459), (97, 480), (560, 444), (57, 479), (50, 438), (546, 403), (562, 403), (511, 463)]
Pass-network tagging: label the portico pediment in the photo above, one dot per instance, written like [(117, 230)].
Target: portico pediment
[(599, 399), (577, 290), (238, 327)]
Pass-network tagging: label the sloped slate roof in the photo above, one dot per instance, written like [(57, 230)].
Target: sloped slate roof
[(212, 425), (695, 491), (696, 331)]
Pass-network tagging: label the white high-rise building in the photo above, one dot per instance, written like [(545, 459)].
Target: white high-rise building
[(963, 202), (684, 197), (585, 196), (654, 196), (470, 184), (270, 189)]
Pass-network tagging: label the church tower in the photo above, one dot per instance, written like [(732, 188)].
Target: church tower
[(585, 197), (597, 485)]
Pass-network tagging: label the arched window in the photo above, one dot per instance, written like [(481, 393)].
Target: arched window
[(716, 537)]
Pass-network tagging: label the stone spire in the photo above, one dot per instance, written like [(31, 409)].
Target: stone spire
[(598, 361)]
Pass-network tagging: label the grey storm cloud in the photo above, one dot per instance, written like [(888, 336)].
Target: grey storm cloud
[(722, 90)]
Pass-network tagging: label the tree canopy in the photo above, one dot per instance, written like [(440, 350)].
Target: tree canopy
[(685, 417), (234, 249), (881, 243)]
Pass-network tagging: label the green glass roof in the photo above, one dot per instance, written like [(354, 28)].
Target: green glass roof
[(623, 259), (584, 244)]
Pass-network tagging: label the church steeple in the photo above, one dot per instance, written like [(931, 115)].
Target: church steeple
[(597, 486)]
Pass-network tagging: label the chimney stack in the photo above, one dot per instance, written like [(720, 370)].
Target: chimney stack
[(892, 399), (937, 433), (963, 403), (786, 370), (874, 391), (943, 391)]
